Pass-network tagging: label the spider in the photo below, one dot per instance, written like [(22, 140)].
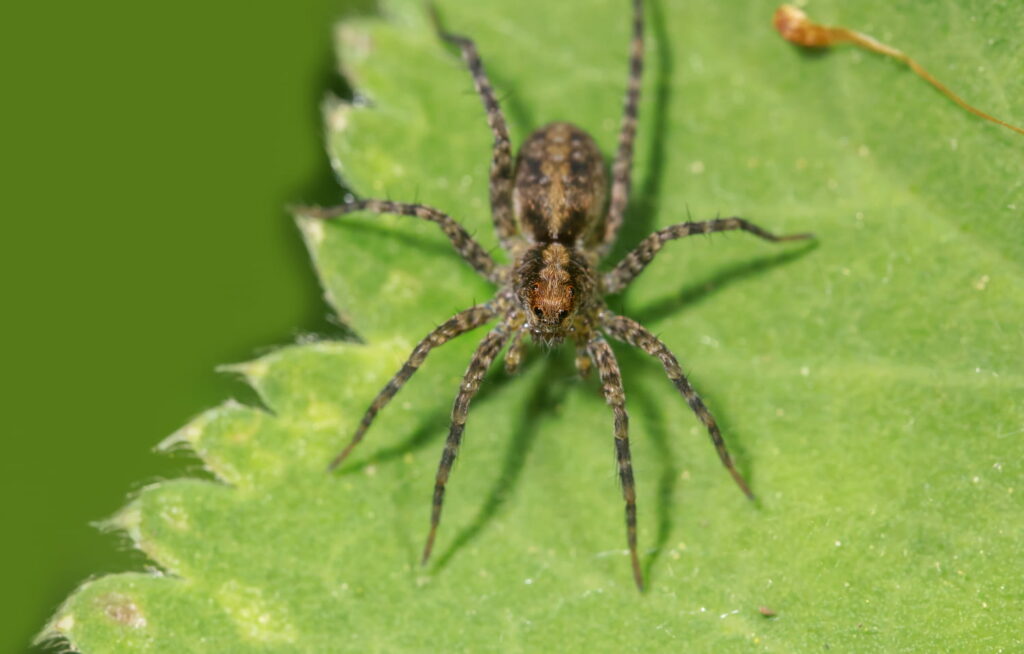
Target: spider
[(553, 215)]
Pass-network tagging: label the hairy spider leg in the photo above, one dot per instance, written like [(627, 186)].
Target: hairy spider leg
[(632, 332), (455, 326), (467, 247), (583, 362), (478, 365), (622, 168), (634, 262), (501, 157), (514, 354), (614, 395)]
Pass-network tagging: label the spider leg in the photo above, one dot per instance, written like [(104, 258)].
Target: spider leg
[(514, 354), (474, 253), (632, 332), (583, 362), (611, 385), (501, 157), (478, 365), (622, 167), (457, 325), (634, 262)]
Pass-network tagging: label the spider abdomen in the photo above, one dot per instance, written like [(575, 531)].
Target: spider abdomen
[(560, 185)]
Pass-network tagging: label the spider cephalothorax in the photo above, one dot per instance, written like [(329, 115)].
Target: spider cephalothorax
[(555, 215), (553, 283)]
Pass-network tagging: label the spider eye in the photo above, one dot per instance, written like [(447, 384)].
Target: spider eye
[(562, 314), (537, 312)]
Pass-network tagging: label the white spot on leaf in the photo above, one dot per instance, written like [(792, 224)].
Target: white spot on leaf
[(256, 617), (123, 610)]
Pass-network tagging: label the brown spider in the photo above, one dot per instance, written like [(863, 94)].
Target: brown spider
[(548, 207)]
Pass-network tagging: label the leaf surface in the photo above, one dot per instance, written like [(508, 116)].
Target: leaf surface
[(870, 386)]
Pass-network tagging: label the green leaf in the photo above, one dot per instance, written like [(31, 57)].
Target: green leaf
[(869, 386)]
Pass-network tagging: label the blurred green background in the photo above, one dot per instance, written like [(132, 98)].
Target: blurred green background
[(148, 152)]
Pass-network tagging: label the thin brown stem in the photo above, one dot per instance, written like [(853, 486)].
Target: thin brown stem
[(794, 26)]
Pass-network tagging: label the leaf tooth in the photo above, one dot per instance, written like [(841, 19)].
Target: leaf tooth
[(312, 230), (253, 372), (354, 44), (128, 519), (214, 437), (337, 115), (191, 433)]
